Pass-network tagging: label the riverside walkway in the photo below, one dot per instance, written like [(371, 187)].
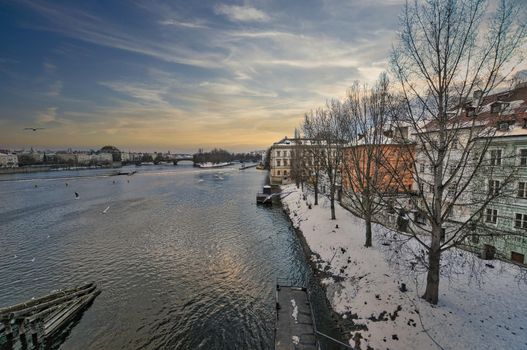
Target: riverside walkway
[(294, 324)]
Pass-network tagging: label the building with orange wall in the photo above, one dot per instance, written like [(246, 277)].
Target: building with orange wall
[(386, 168)]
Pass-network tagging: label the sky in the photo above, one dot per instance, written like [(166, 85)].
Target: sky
[(180, 75)]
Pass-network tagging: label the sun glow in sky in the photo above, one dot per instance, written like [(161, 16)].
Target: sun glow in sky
[(178, 75)]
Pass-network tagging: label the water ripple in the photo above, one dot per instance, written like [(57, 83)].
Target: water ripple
[(185, 258)]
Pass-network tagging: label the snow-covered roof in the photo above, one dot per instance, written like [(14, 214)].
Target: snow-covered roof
[(511, 108)]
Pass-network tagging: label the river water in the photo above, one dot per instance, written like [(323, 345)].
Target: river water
[(184, 257)]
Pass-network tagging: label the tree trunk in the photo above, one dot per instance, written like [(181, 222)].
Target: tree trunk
[(434, 257), (316, 192), (332, 200), (368, 231)]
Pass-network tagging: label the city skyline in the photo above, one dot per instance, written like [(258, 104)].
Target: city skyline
[(157, 76)]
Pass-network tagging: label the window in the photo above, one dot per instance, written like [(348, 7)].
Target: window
[(278, 172), (420, 218), (504, 126), (495, 157), (285, 172), (455, 143), (522, 189), (285, 162), (523, 157), (495, 108), (451, 169), (520, 221), (278, 162), (494, 187), (517, 257), (491, 216), (278, 153), (450, 211), (451, 191), (431, 188), (422, 167)]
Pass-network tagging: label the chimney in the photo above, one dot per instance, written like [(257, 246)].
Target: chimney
[(477, 95)]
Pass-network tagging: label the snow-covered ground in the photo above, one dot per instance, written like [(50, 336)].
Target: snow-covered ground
[(487, 311)]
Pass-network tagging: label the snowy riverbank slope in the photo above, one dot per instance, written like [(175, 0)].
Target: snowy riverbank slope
[(488, 312)]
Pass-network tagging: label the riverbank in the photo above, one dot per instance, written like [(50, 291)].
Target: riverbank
[(363, 287), (46, 168)]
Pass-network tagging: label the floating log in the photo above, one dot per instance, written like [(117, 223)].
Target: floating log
[(38, 307), (56, 323), (48, 297), (40, 319)]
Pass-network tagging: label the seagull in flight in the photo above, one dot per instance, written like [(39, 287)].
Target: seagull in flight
[(34, 129)]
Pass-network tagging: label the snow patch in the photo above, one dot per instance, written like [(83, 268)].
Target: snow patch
[(367, 291), (296, 339), (295, 310)]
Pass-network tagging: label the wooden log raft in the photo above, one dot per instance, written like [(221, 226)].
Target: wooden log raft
[(43, 317)]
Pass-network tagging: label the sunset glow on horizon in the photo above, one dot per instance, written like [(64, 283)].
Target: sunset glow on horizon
[(150, 75)]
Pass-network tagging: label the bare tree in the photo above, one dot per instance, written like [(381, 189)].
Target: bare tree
[(327, 126), (367, 183), (313, 152), (451, 54), (298, 159)]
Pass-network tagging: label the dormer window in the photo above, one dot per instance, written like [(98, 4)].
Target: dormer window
[(495, 108), (503, 126), (388, 133)]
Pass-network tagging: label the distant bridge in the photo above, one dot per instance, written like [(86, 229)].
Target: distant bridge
[(191, 159)]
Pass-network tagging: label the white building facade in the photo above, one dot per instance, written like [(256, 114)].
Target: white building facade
[(8, 160)]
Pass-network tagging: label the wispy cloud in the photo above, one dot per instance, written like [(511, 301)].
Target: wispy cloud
[(95, 29), (192, 74), (241, 13), (47, 116), (49, 68), (184, 24), (55, 88)]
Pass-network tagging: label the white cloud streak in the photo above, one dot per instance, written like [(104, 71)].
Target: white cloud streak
[(241, 13)]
